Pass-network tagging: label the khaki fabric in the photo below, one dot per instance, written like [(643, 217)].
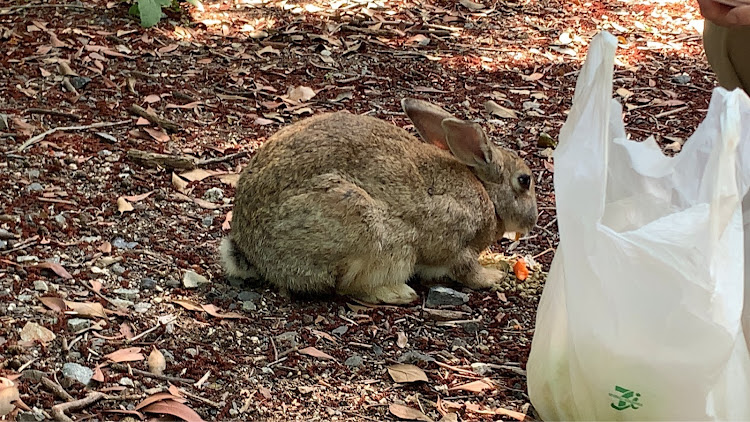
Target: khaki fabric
[(728, 52)]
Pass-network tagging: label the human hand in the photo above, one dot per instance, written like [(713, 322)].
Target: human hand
[(725, 15)]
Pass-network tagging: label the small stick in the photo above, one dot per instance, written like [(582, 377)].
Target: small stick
[(201, 399), (275, 351), (123, 368), (670, 112), (153, 118), (225, 158), (58, 410), (53, 113), (41, 136), (56, 388)]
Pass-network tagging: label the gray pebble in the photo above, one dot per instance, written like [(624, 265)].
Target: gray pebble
[(413, 356), (440, 295), (35, 187), (76, 372), (248, 295), (682, 79), (214, 195), (142, 307), (354, 361), (191, 280), (148, 283), (249, 306), (40, 286), (26, 258), (191, 351), (340, 331), (33, 174), (120, 243), (77, 324), (127, 382), (208, 221), (130, 294), (79, 82), (118, 269)]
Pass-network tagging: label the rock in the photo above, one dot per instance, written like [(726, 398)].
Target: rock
[(3, 244), (4, 122), (191, 351), (413, 357), (340, 331), (440, 295), (546, 141), (354, 361), (33, 174), (191, 280), (33, 332), (77, 324), (249, 306), (40, 286), (79, 82), (60, 220), (148, 283), (26, 258), (35, 415), (120, 243), (142, 307), (248, 295), (6, 235), (118, 269), (127, 382), (24, 298), (681, 79), (377, 350), (122, 303), (130, 294), (35, 187), (470, 327), (214, 195), (208, 220), (78, 373)]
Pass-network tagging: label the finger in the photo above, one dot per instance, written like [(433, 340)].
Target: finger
[(739, 16)]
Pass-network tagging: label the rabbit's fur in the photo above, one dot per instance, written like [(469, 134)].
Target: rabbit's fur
[(354, 205)]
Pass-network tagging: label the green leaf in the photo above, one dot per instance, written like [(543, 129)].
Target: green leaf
[(133, 11), (150, 12)]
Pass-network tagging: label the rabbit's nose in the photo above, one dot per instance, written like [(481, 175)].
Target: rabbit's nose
[(525, 181)]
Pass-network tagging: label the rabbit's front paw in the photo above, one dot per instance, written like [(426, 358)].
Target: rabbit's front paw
[(397, 294), (485, 278)]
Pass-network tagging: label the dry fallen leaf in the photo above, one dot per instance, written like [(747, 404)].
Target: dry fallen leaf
[(174, 408), (408, 413), (300, 94), (497, 110), (157, 134), (475, 386), (311, 351), (105, 247), (98, 374), (87, 309), (230, 179), (136, 198), (189, 304), (402, 340), (123, 205), (156, 362), (33, 332), (8, 395), (130, 354), (157, 398), (179, 183), (197, 175), (403, 373), (54, 303), (126, 330), (214, 312), (56, 268), (471, 5)]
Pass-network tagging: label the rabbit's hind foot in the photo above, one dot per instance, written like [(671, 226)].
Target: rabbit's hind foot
[(234, 262)]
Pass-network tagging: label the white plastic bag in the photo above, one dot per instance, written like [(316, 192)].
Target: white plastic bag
[(641, 316)]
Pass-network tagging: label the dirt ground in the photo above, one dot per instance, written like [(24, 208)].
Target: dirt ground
[(108, 252)]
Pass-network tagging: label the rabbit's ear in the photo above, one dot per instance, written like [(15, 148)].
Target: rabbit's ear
[(467, 141), (427, 119)]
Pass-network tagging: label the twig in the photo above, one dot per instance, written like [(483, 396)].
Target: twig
[(123, 368), (275, 351), (53, 113), (154, 159), (58, 410), (41, 136), (153, 118), (145, 333), (225, 158), (670, 112), (34, 6), (201, 399), (38, 376)]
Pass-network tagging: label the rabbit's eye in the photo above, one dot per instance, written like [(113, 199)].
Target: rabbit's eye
[(524, 180)]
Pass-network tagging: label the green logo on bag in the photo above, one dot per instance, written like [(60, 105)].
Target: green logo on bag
[(625, 399)]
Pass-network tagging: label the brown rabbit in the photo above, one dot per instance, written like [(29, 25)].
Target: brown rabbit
[(355, 205)]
